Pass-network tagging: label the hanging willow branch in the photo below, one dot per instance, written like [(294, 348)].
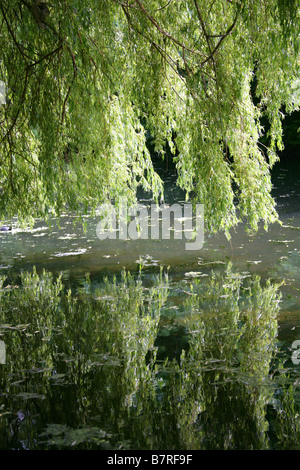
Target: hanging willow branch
[(99, 76)]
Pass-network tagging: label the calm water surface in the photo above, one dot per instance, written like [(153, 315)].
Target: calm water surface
[(196, 351)]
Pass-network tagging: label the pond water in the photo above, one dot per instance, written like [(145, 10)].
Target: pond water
[(182, 350)]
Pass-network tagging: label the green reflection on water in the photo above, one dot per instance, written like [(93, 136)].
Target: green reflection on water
[(95, 367)]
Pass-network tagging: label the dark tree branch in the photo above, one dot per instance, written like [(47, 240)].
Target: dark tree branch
[(33, 64), (221, 40), (165, 33), (24, 56), (165, 6)]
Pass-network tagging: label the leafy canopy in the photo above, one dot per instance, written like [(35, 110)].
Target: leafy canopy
[(84, 80)]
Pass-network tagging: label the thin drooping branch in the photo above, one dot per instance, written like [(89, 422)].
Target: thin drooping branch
[(164, 6), (212, 49), (161, 51), (223, 36), (211, 57), (168, 59), (24, 157), (71, 84), (33, 64), (24, 56), (203, 27), (208, 37), (165, 33)]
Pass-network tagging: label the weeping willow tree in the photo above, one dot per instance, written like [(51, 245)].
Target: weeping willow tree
[(82, 82)]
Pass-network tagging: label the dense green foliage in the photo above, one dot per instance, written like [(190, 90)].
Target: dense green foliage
[(86, 79)]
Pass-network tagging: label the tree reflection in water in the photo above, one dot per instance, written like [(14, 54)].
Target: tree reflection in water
[(85, 368)]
